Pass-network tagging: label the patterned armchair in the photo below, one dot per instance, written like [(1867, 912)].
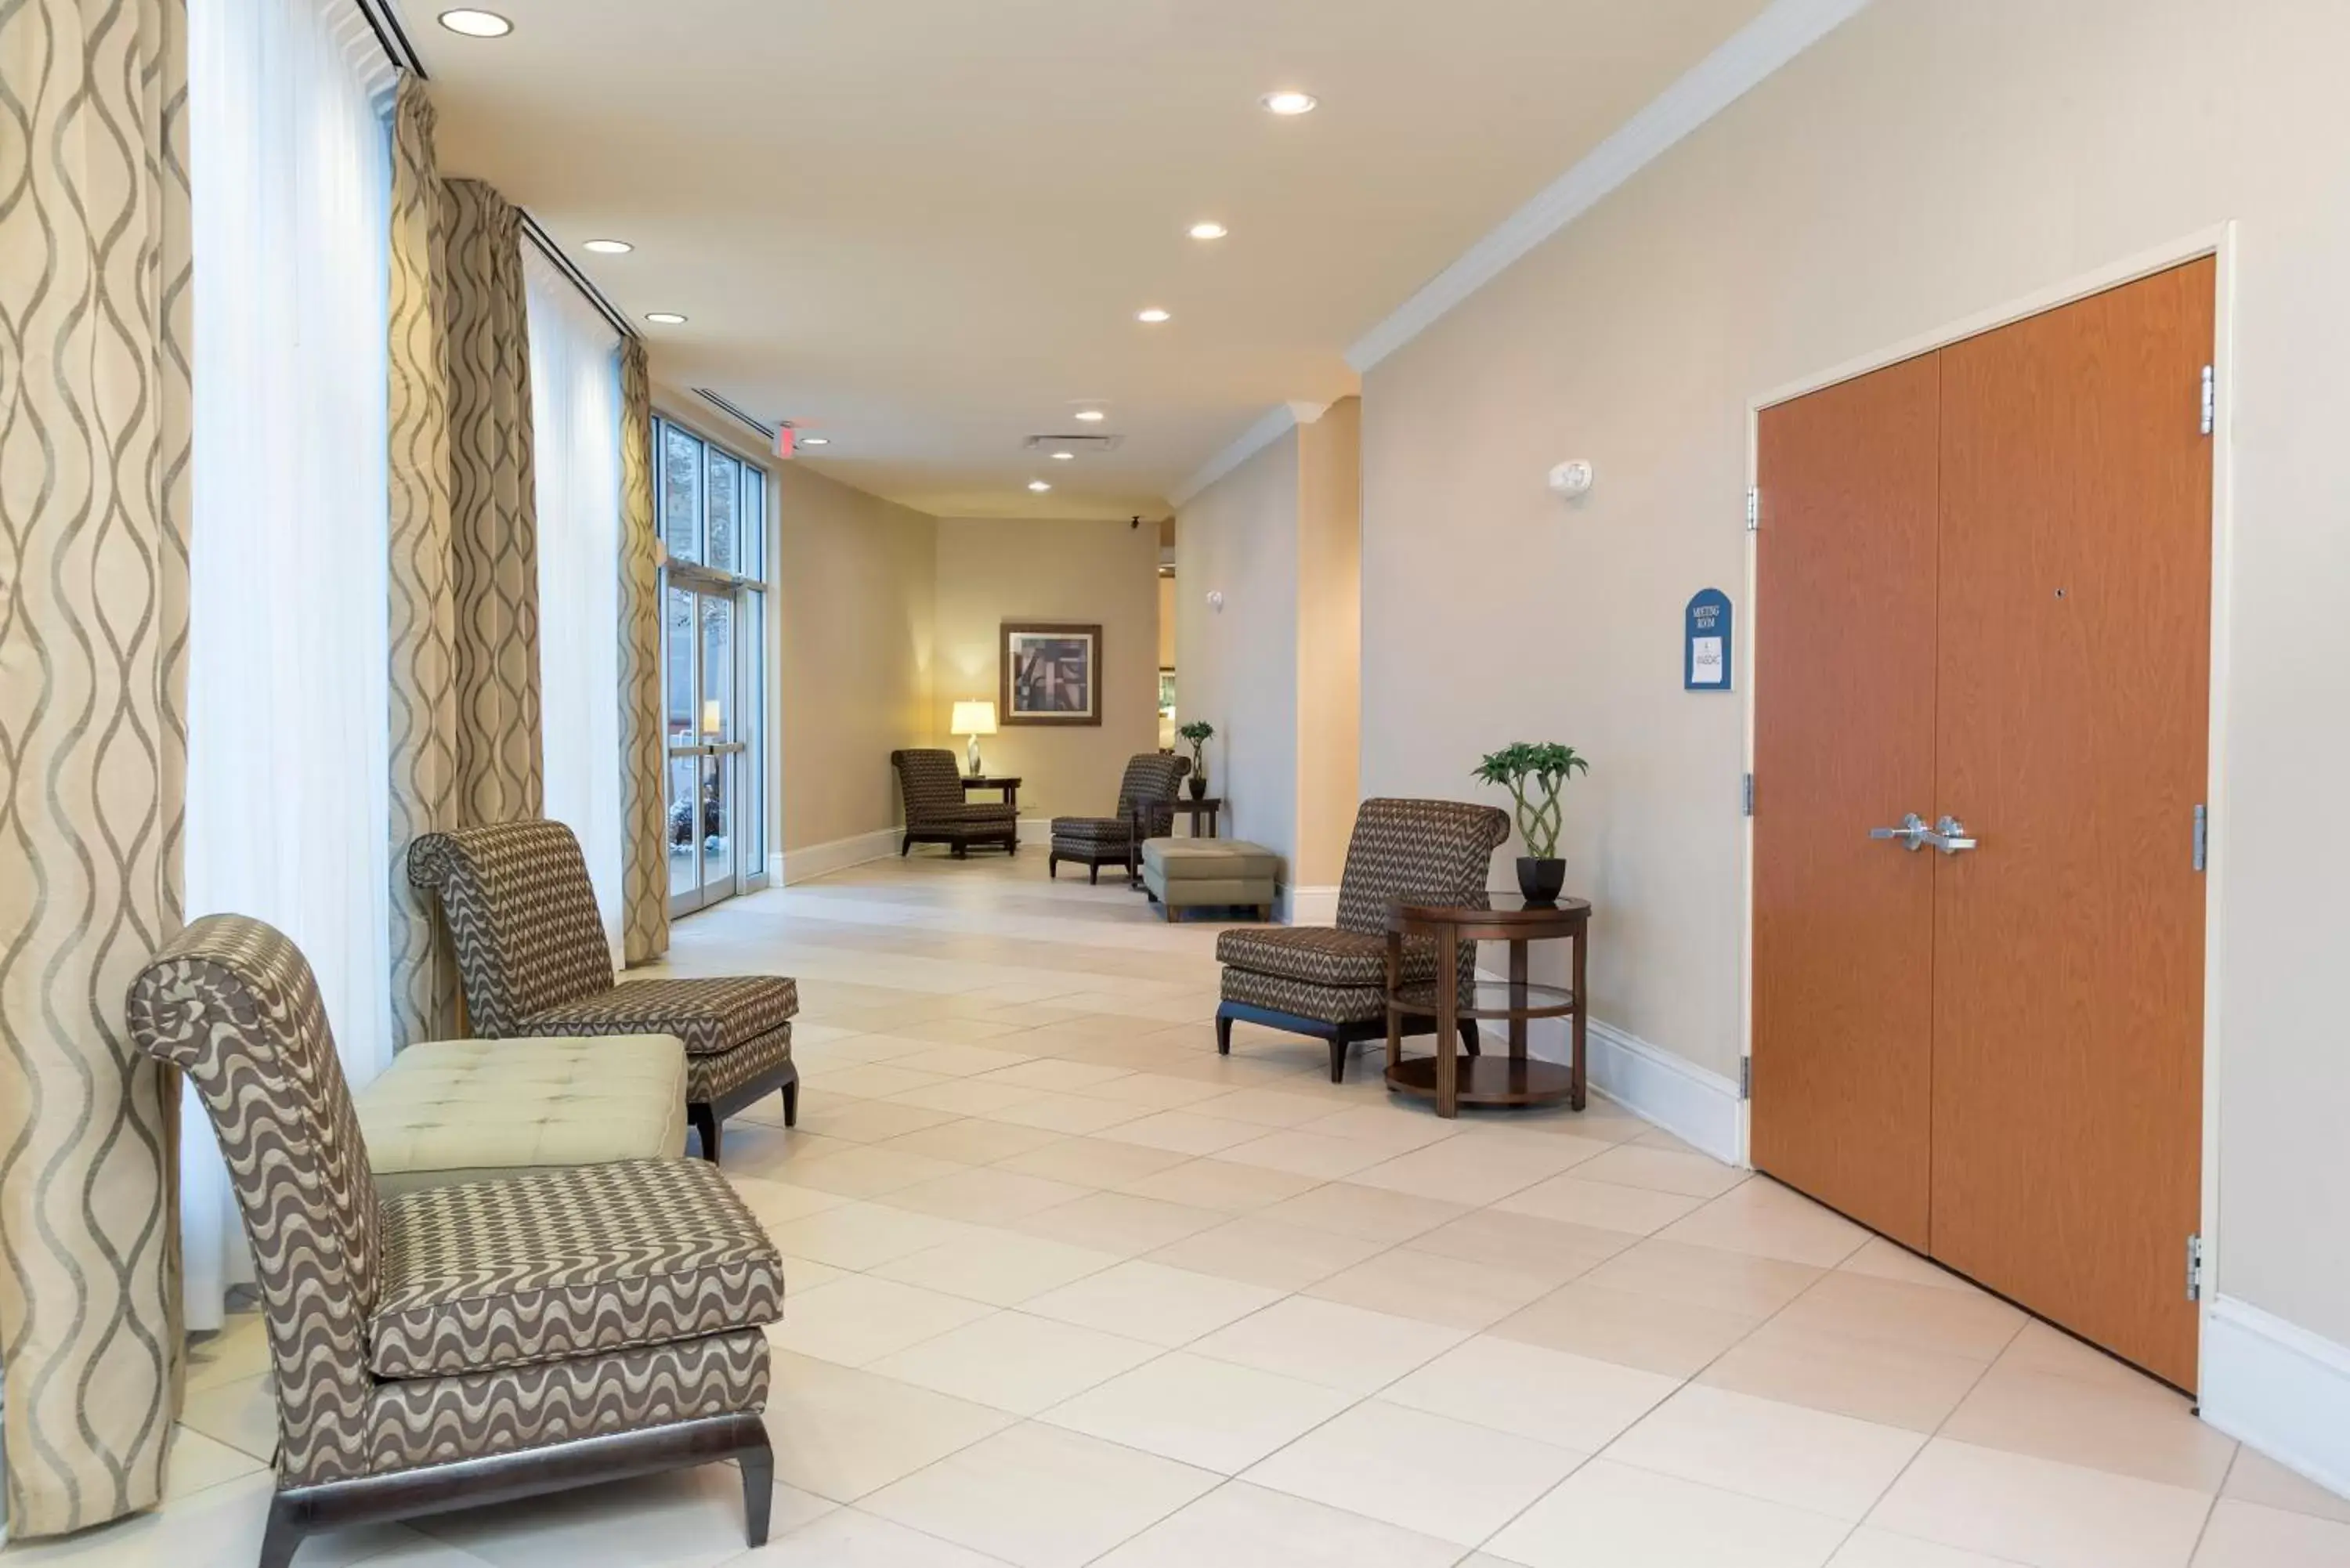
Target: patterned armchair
[(1148, 789), (1330, 981), (936, 812), (531, 951), (468, 1344)]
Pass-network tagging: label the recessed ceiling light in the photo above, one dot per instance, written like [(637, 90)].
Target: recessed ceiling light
[(1153, 315), (665, 319), (1065, 457), (609, 247), (1290, 101), (1092, 416), (1039, 487), (814, 440), (476, 24), (1209, 231)]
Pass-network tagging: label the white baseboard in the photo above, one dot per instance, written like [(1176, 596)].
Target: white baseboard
[(775, 868), (2278, 1388), (1698, 1107), (811, 861), (1313, 906), (1035, 830)]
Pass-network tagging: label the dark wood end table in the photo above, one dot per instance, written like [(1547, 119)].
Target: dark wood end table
[(1007, 784), (1517, 1079), (1193, 807)]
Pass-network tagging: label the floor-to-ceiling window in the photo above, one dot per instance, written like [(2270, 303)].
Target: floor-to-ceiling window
[(713, 517)]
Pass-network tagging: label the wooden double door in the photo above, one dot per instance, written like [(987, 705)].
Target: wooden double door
[(1983, 596)]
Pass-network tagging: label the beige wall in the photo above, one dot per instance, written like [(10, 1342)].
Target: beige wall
[(1329, 638), (853, 579), (1925, 162), (1237, 668), (992, 570), (1278, 669)]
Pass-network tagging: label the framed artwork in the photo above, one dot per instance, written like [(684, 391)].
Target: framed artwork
[(1050, 673)]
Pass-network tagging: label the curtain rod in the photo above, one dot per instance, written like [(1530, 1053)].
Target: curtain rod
[(383, 20), (570, 270)]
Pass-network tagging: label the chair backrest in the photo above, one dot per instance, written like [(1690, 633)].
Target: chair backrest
[(232, 1003), (522, 914), (1438, 851), (1151, 778), (932, 786)]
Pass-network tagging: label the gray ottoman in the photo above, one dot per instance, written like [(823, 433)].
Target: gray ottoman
[(447, 1111), (1208, 873)]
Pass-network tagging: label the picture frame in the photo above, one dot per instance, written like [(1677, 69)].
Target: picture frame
[(1049, 673)]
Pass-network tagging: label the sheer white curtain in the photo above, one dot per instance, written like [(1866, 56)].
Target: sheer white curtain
[(287, 821), (575, 397)]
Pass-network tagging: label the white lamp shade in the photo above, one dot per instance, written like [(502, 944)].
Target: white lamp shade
[(973, 719)]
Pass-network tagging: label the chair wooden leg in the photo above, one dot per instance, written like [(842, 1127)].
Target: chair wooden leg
[(705, 1119), (1052, 866), (961, 851), (1337, 1058), (758, 1464), (1224, 1035), (906, 848), (282, 1536), (792, 1104), (1093, 873), (1469, 1041)]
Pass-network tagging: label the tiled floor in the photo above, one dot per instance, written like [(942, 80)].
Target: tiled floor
[(1067, 1288)]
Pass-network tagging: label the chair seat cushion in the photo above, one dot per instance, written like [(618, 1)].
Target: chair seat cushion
[(1109, 830), (565, 1265), (710, 1015), (462, 1110), (1323, 955), (979, 813)]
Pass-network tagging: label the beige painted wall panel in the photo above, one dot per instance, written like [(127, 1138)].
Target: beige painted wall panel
[(853, 583), (1925, 162), (1329, 638), (992, 570), (1237, 668)]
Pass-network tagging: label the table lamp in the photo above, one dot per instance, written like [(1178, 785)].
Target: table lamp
[(973, 718), (713, 718)]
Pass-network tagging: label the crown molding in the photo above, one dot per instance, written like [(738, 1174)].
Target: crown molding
[(1271, 426), (1783, 29)]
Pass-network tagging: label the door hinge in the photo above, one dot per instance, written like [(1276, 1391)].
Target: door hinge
[(1746, 1078), (1750, 794), (2210, 401), (2202, 836), (1754, 508), (2194, 1268)]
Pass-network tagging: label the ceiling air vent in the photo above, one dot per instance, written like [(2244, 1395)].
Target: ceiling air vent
[(1083, 445), (735, 411)]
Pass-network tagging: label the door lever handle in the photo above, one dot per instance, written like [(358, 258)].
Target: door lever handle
[(1913, 832), (1949, 835)]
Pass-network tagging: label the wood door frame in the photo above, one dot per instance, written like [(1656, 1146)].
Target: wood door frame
[(2217, 242)]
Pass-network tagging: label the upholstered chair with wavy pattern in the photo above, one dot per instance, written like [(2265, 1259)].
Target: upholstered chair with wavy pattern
[(938, 812), (1330, 981), (1146, 794), (531, 951), (468, 1344)]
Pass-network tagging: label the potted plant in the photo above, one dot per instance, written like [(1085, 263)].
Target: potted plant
[(1199, 732), (1548, 766)]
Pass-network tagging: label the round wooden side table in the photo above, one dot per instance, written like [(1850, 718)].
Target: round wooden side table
[(1517, 1079)]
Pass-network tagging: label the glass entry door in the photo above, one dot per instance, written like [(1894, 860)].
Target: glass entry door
[(712, 851)]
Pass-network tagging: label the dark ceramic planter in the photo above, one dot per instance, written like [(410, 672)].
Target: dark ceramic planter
[(1198, 785), (1540, 880)]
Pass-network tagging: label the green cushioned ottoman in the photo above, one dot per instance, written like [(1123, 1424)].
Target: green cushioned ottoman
[(1209, 873)]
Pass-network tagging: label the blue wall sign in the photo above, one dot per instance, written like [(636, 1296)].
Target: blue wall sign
[(1706, 643)]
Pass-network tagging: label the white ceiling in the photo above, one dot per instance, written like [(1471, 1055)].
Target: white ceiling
[(922, 227)]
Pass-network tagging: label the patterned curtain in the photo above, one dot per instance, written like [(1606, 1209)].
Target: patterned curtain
[(94, 448), (464, 566), (644, 853)]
